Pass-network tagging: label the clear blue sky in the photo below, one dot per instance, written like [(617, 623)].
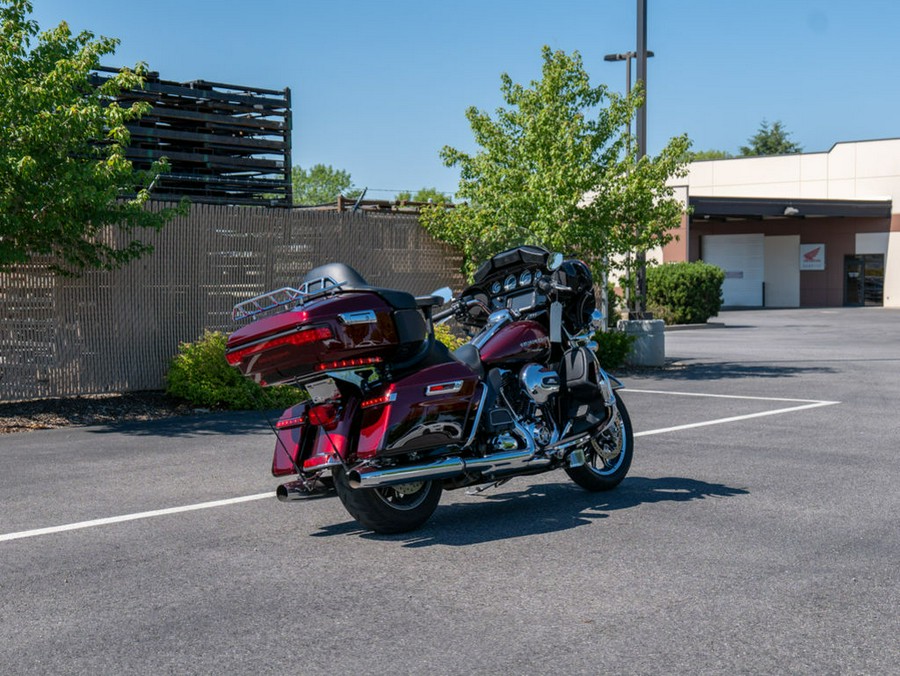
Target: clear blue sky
[(380, 86)]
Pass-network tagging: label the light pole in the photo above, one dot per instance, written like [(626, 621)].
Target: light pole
[(640, 55), (627, 57)]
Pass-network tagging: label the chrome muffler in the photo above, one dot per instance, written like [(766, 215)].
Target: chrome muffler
[(447, 468), (301, 490)]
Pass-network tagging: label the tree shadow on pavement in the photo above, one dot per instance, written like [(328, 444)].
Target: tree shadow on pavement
[(232, 422), (737, 370), (541, 508)]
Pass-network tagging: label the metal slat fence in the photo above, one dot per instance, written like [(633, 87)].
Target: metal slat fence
[(117, 331)]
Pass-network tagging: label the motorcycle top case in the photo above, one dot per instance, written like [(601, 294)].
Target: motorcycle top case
[(296, 344)]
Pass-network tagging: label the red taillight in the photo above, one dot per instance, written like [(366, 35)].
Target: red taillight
[(388, 396), (347, 363), (287, 423), (297, 338), (315, 461), (323, 414)]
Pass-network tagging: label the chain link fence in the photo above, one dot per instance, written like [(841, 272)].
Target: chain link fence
[(117, 331)]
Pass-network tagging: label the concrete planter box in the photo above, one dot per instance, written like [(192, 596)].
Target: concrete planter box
[(649, 348)]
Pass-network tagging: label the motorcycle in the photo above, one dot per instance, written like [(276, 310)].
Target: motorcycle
[(393, 417)]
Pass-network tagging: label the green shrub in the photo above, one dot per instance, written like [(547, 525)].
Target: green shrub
[(684, 293), (444, 335), (200, 375), (614, 347)]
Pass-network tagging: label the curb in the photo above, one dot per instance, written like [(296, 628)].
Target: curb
[(692, 327)]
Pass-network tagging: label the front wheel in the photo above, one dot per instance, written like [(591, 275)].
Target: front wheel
[(393, 509), (608, 455)]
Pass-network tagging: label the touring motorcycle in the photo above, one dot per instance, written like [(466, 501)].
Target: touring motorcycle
[(393, 417)]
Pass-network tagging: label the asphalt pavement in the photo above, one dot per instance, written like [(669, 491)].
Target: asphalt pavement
[(757, 532)]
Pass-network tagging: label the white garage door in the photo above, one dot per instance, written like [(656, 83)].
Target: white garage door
[(742, 257), (783, 271)]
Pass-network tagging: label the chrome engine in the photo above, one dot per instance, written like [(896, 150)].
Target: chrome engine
[(527, 398)]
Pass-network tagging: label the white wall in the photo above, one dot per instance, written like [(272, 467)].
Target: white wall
[(864, 170)]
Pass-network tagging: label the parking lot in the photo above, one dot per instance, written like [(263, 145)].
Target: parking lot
[(757, 532)]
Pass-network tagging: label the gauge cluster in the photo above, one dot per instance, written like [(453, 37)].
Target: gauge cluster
[(513, 290)]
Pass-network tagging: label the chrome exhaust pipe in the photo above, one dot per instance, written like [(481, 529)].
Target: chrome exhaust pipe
[(443, 468), (301, 490), (446, 468)]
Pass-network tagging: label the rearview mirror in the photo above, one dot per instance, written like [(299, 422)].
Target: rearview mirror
[(445, 293), (554, 261)]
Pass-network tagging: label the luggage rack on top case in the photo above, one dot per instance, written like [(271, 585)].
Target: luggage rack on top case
[(270, 300)]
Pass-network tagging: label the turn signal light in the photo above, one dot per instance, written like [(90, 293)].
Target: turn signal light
[(347, 363), (385, 398), (287, 423)]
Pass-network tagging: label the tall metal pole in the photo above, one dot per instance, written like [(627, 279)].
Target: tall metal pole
[(642, 75), (641, 132)]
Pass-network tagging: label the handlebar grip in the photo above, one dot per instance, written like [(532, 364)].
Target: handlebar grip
[(438, 316)]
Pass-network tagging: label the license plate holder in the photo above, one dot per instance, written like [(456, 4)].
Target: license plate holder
[(323, 390)]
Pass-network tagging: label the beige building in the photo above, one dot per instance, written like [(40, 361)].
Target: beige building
[(804, 230)]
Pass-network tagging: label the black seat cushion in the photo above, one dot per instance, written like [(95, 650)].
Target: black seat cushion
[(339, 272), (351, 280)]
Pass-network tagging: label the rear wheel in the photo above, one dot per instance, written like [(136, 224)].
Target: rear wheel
[(392, 509), (608, 455)]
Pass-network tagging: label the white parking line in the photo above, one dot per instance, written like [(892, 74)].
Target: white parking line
[(805, 404), (132, 517)]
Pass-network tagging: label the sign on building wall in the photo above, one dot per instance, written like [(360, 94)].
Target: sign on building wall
[(812, 256)]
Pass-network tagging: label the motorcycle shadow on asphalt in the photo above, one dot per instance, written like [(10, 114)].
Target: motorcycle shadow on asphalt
[(538, 509)]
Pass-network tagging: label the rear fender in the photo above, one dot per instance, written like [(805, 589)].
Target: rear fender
[(291, 430), (334, 443), (302, 447)]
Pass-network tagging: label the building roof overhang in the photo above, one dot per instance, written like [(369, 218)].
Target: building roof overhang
[(781, 207)]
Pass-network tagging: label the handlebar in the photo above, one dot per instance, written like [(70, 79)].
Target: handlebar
[(458, 306), (545, 284), (438, 316)]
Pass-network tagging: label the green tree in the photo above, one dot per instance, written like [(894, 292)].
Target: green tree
[(770, 141), (696, 155), (558, 168), (321, 184), (424, 195), (64, 177)]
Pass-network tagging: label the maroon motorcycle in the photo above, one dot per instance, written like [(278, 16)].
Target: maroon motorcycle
[(393, 417)]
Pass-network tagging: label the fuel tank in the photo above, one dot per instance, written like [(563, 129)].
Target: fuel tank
[(516, 343)]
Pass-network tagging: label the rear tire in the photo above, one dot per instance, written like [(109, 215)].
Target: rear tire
[(389, 510), (604, 468)]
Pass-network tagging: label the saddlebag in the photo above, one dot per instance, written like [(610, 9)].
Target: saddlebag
[(586, 390)]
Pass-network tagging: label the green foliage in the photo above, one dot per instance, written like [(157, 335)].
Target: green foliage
[(613, 349), (695, 156), (770, 141), (200, 374), (425, 195), (558, 168), (615, 304), (63, 171), (444, 335), (684, 293), (321, 184)]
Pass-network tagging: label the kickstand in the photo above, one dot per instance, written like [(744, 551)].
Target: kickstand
[(481, 489)]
